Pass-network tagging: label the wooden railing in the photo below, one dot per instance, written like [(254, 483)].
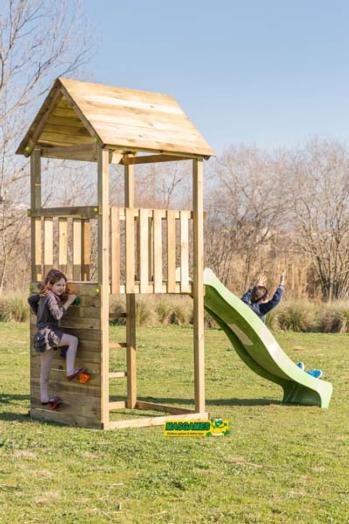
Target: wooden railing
[(146, 247)]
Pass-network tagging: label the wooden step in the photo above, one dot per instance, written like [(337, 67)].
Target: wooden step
[(117, 345), (118, 374), (119, 404)]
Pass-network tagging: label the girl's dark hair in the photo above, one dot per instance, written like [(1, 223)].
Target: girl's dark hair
[(258, 293), (53, 276)]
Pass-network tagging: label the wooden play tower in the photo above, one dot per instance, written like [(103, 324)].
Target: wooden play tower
[(127, 250)]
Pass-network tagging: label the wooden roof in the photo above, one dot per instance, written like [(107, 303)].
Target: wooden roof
[(79, 113)]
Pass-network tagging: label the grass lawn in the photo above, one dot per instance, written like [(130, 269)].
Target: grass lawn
[(280, 464)]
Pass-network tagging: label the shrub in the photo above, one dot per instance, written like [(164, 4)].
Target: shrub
[(333, 321), (296, 316), (14, 308)]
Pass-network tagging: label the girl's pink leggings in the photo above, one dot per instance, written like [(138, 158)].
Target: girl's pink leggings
[(46, 361)]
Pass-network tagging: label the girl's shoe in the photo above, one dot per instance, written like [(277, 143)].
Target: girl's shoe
[(75, 374), (53, 403), (300, 365), (316, 373), (83, 375)]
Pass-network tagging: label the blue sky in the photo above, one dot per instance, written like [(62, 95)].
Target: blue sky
[(271, 73)]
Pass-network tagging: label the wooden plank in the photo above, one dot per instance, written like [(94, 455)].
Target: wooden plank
[(198, 286), (103, 274), (37, 267), (77, 252), (160, 407), (40, 120), (131, 350), (85, 249), (84, 323), (130, 298), (35, 202), (117, 345), (151, 247), (73, 405), (48, 244), (118, 374), (119, 404), (60, 387), (62, 139), (157, 221), (130, 251), (184, 228), (76, 212), (150, 159), (62, 244), (153, 421), (171, 251), (61, 418), (115, 250), (144, 254), (58, 377), (72, 103)]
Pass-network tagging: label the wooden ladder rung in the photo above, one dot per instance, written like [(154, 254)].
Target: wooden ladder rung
[(118, 374), (117, 345), (119, 404)]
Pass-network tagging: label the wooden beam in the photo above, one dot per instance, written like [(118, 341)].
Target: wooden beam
[(75, 212), (135, 150), (118, 404), (151, 159), (103, 275), (152, 421), (33, 137), (83, 152), (130, 300), (118, 374), (35, 202), (115, 250), (198, 286), (85, 249), (160, 407)]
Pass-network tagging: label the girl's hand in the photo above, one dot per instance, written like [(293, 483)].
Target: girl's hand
[(69, 300), (262, 280), (282, 278)]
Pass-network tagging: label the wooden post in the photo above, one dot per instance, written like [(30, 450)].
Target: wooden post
[(198, 286), (35, 203), (103, 275), (130, 307)]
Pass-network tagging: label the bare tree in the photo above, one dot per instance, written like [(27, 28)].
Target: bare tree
[(246, 211), (39, 40), (320, 185)]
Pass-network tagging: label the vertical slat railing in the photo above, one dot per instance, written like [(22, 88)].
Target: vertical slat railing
[(63, 244), (130, 251), (157, 236), (115, 250), (85, 249), (184, 250), (48, 244), (37, 249), (76, 249), (143, 250), (171, 251)]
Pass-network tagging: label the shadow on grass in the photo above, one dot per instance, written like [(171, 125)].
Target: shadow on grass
[(11, 398), (215, 402), (10, 416)]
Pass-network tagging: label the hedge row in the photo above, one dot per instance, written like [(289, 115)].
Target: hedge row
[(163, 310)]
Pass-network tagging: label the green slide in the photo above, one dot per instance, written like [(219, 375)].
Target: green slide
[(257, 347)]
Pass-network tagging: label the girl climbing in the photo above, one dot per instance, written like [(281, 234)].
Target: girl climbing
[(50, 305)]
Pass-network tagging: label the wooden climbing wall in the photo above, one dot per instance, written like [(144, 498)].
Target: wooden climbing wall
[(82, 402)]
